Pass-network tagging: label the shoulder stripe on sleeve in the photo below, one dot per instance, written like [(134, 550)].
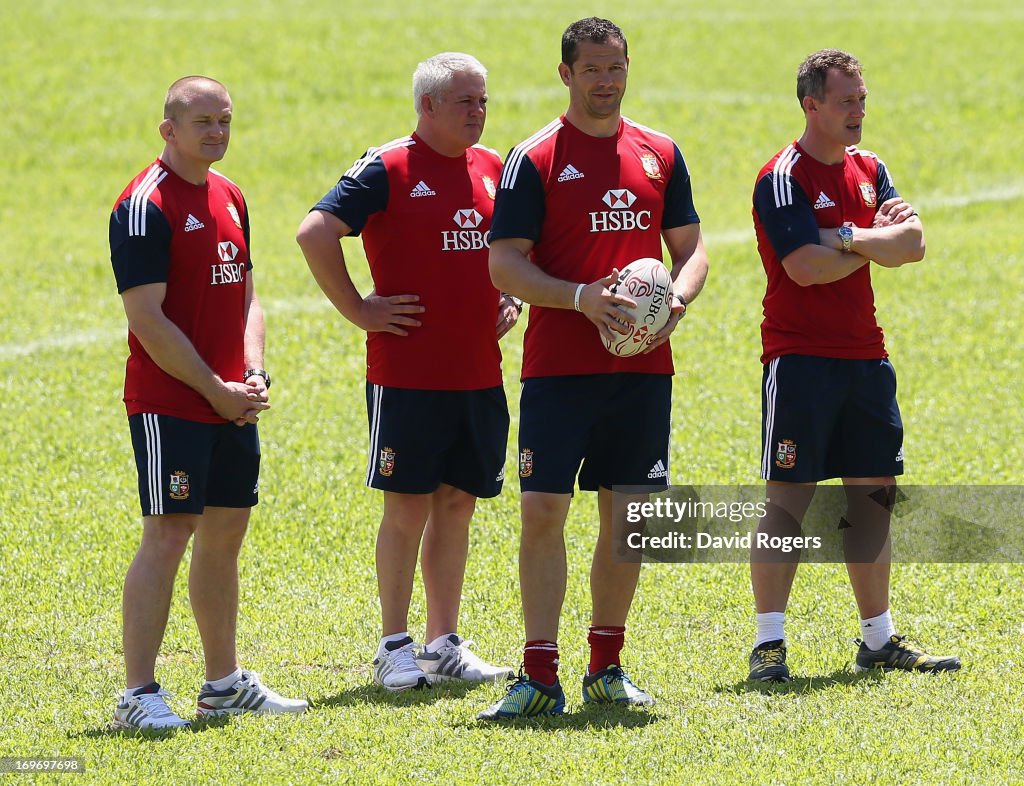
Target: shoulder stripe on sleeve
[(647, 129), (140, 198), (223, 176), (478, 146), (855, 151), (782, 180), (374, 153), (515, 158)]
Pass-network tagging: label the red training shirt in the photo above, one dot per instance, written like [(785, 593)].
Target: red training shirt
[(424, 219), (195, 239)]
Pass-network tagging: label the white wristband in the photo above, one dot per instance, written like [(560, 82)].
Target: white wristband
[(576, 297)]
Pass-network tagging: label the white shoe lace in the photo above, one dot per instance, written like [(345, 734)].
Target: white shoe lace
[(472, 662), (155, 704), (404, 659), (469, 657), (252, 679)]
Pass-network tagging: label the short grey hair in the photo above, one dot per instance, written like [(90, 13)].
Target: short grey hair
[(435, 74)]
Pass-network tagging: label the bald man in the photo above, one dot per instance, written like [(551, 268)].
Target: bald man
[(194, 389)]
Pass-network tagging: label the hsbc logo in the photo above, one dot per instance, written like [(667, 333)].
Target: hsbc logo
[(227, 251), (230, 273), (468, 219), (620, 218), (467, 237), (619, 198)]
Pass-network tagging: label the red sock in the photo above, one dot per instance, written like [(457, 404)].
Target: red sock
[(540, 661), (605, 646)]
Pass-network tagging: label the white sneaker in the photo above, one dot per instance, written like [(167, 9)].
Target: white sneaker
[(147, 709), (455, 661), (246, 694), (396, 668)]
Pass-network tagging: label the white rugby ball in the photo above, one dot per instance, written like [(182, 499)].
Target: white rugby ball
[(647, 282)]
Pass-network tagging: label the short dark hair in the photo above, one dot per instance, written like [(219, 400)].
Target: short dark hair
[(813, 72), (593, 29)]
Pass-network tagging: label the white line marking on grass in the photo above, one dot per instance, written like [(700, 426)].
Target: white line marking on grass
[(1003, 193), (729, 237), (63, 341)]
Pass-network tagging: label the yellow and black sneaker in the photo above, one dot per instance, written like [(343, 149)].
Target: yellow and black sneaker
[(613, 686), (768, 662), (526, 698), (898, 653)]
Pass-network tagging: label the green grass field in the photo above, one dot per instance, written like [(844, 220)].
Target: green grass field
[(314, 84)]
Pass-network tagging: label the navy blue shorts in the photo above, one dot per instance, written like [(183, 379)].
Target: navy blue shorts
[(615, 425), (185, 466), (420, 439), (829, 418)]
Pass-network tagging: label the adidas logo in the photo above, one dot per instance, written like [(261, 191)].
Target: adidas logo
[(422, 190), (899, 456), (192, 223), (658, 470), (570, 173), (823, 201), (501, 475)]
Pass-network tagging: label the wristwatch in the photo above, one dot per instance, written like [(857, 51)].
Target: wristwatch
[(846, 235), (257, 372)]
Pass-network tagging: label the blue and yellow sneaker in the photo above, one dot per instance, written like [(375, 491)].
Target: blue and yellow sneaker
[(613, 686), (526, 698), (898, 653), (768, 662)]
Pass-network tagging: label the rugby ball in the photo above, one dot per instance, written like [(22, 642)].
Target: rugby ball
[(647, 282)]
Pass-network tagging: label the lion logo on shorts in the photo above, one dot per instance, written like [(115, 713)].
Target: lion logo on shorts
[(387, 462), (525, 463), (785, 456), (179, 486)]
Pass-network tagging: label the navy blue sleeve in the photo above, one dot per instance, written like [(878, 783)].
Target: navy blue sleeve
[(140, 245), (519, 207), (679, 209), (245, 232), (361, 192), (883, 184), (787, 218)]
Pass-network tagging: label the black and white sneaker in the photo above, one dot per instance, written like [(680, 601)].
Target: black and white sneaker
[(147, 708), (455, 661), (396, 668), (247, 694)]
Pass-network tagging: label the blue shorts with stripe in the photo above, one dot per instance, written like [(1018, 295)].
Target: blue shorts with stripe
[(829, 418), (610, 429), (420, 439), (184, 465)]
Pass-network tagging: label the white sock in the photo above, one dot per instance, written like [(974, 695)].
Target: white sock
[(439, 642), (129, 692), (877, 630), (226, 682), (389, 639), (770, 627)]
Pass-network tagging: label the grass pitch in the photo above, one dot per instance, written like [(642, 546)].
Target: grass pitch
[(314, 84)]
